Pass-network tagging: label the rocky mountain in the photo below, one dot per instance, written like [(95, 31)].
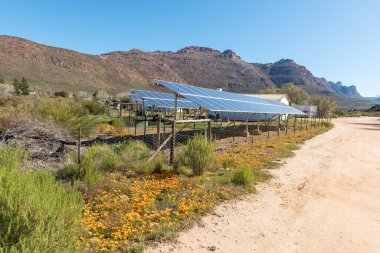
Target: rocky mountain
[(349, 91), (62, 69)]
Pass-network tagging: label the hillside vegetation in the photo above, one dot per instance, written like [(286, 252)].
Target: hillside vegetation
[(62, 69)]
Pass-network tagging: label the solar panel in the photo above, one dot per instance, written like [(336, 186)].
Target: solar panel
[(215, 100), (135, 97), (146, 94), (161, 99)]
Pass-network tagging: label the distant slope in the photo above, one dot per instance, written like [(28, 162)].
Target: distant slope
[(58, 69), (374, 99)]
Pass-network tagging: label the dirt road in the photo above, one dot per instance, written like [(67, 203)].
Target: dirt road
[(324, 199)]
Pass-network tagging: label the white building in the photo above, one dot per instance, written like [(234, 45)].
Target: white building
[(310, 110)]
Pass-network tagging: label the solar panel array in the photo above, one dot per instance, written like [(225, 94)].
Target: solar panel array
[(221, 101), (161, 99)]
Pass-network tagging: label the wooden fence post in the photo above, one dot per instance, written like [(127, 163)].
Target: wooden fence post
[(79, 145), (172, 143), (233, 137), (287, 124), (258, 122), (209, 131), (279, 125), (267, 119), (294, 127), (158, 133)]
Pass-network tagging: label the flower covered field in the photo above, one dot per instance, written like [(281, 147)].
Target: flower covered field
[(126, 210), (265, 153), (122, 212)]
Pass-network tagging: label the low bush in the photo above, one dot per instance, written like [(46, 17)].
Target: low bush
[(135, 150), (158, 164), (94, 108), (243, 176), (62, 93), (180, 169), (36, 213), (199, 155), (327, 124), (117, 123), (101, 158), (257, 132), (228, 163), (66, 112)]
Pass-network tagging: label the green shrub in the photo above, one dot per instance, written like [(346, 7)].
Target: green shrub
[(68, 173), (228, 163), (96, 160), (100, 158), (66, 112), (327, 124), (257, 132), (243, 176), (135, 150), (94, 108), (144, 167), (158, 164), (36, 213), (180, 169), (199, 155), (118, 123), (61, 94)]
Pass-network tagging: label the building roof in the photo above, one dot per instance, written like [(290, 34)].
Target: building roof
[(275, 97)]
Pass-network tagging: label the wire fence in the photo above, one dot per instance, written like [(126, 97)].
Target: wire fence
[(163, 136)]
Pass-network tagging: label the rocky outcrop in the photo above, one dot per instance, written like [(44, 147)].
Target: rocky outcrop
[(349, 91)]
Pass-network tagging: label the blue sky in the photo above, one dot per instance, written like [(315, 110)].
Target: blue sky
[(337, 39)]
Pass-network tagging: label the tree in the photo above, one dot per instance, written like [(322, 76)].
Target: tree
[(16, 87), (325, 104), (296, 94), (24, 86), (2, 78)]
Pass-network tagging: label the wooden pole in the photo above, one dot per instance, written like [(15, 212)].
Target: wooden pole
[(287, 123), (233, 137), (267, 119), (209, 131), (158, 133), (175, 106), (258, 123), (279, 125), (246, 127), (79, 144), (295, 122), (253, 127), (301, 123), (172, 143)]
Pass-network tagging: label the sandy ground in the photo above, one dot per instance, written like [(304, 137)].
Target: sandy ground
[(324, 199)]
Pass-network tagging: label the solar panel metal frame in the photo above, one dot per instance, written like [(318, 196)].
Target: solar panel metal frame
[(215, 100)]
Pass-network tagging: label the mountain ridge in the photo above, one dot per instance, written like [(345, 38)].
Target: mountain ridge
[(58, 68)]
